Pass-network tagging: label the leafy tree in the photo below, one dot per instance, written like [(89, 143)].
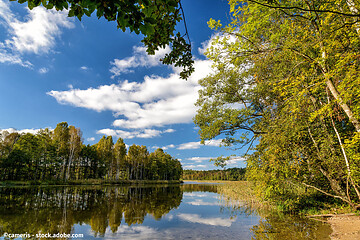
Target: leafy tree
[(104, 149), (8, 141), (28, 146), (287, 78), (120, 157), (155, 19), (61, 138), (48, 161), (75, 142), (137, 160), (92, 166), (164, 166)]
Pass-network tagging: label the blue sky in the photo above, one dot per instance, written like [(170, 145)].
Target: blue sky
[(100, 79)]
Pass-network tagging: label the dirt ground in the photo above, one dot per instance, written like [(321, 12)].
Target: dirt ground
[(345, 227)]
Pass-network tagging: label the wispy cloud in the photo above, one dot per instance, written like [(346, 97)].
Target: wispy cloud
[(145, 133), (165, 147), (139, 59), (170, 130), (234, 160), (30, 130), (84, 68), (199, 159), (43, 70), (168, 146), (36, 34), (194, 166), (196, 145), (11, 58)]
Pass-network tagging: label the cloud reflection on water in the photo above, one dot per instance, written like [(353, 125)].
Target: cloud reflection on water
[(200, 202), (132, 232), (196, 218)]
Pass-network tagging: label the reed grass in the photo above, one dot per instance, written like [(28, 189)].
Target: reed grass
[(241, 194)]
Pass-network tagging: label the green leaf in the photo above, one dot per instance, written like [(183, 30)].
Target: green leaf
[(172, 3), (147, 29), (150, 20)]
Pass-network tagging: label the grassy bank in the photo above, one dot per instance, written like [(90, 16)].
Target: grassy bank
[(310, 205), (242, 191), (87, 182)]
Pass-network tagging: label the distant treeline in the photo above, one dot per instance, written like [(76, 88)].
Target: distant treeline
[(61, 155), (230, 174)]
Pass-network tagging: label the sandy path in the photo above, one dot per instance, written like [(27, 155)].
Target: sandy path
[(345, 227)]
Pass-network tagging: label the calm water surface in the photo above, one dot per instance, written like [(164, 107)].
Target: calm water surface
[(189, 211)]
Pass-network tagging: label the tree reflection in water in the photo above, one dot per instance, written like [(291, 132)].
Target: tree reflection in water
[(56, 209)]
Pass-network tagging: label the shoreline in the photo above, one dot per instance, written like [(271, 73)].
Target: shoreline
[(89, 182), (345, 227)]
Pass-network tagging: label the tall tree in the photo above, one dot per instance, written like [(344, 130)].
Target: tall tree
[(61, 138), (75, 142), (47, 149), (288, 77), (120, 157), (104, 149)]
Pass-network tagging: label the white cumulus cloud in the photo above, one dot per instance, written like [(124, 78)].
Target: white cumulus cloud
[(154, 102)]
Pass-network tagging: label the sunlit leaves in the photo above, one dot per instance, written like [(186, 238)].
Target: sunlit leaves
[(292, 67)]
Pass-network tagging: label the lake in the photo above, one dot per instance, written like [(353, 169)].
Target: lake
[(186, 211)]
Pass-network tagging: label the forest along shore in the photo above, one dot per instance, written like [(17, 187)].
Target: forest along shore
[(59, 155)]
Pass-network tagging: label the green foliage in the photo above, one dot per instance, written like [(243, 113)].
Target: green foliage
[(286, 77), (60, 155), (155, 19), (164, 166)]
